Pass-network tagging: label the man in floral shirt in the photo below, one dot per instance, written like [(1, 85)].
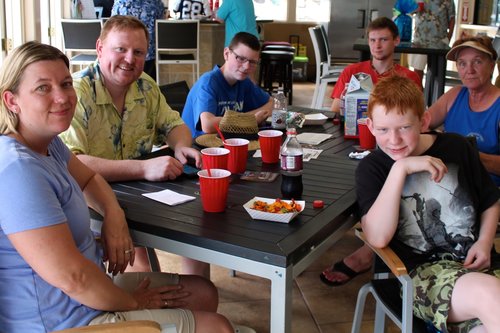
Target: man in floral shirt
[(434, 23), (121, 114)]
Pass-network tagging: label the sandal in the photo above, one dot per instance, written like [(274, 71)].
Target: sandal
[(341, 267)]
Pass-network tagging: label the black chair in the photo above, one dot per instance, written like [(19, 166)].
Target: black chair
[(276, 66), (176, 94), (178, 42), (79, 38)]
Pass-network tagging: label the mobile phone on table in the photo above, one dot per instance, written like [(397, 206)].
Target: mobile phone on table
[(190, 171)]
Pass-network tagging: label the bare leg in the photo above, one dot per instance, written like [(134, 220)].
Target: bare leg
[(195, 267), (204, 294), (359, 261), (477, 295), (209, 322)]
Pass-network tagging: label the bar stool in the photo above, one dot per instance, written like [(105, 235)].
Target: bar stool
[(276, 65)]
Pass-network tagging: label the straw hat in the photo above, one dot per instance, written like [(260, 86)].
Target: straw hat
[(233, 125), (453, 53)]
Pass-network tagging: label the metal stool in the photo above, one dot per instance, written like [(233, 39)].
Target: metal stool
[(276, 65)]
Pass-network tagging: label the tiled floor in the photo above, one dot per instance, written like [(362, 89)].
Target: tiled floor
[(316, 308)]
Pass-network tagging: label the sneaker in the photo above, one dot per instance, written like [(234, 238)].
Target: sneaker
[(243, 329)]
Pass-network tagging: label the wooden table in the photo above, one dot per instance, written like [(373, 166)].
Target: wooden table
[(276, 251), (436, 64)]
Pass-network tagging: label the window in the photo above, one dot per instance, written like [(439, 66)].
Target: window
[(312, 11), (271, 9)]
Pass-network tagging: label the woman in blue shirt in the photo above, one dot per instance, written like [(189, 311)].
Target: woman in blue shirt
[(52, 275)]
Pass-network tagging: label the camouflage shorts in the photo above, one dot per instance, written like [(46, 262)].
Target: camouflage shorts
[(433, 285)]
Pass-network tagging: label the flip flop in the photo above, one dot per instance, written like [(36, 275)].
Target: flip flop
[(341, 267)]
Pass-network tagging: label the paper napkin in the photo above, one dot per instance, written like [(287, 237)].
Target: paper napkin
[(169, 197), (313, 138)]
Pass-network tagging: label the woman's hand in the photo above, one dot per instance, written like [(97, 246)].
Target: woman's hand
[(161, 297), (117, 243)]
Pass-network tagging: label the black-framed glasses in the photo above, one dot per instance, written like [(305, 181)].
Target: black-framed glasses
[(243, 60)]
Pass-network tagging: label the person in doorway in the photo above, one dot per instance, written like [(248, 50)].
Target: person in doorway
[(383, 37), (238, 16), (434, 24), (52, 275), (121, 114), (192, 9), (228, 88), (106, 5), (148, 11)]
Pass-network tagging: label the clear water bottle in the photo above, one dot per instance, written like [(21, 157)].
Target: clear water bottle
[(291, 155), (342, 106), (279, 110)]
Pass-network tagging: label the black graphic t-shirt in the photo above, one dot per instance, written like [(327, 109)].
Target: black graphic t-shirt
[(435, 218)]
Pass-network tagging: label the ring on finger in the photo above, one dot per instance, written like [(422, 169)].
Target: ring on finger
[(166, 303), (129, 251)]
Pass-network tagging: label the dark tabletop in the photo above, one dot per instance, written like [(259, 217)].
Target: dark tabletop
[(329, 178)]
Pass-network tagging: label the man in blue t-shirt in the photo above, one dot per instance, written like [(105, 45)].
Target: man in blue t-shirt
[(228, 88)]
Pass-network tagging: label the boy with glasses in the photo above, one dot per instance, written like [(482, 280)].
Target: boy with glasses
[(228, 88)]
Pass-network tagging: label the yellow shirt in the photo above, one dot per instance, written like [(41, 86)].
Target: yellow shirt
[(98, 129)]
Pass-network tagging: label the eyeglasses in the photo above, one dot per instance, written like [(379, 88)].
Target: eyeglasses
[(243, 60)]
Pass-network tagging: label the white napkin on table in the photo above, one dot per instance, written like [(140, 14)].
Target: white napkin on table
[(313, 138), (169, 197)]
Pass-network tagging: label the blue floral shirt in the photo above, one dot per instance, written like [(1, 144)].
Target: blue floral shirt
[(431, 24), (148, 11)]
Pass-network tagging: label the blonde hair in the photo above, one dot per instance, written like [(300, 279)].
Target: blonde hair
[(121, 23), (12, 72), (399, 93)]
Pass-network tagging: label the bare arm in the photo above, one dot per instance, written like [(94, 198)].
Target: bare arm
[(156, 169), (440, 108), (478, 256), (99, 196), (180, 140), (491, 162), (336, 105), (64, 267), (451, 27), (380, 223), (209, 120)]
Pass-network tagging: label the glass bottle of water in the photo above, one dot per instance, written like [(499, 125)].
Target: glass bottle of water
[(279, 110)]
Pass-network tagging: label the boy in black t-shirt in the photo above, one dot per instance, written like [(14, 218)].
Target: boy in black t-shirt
[(430, 198)]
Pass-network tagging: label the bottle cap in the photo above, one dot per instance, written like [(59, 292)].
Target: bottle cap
[(318, 204)]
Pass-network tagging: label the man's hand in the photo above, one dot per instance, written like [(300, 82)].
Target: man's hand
[(183, 153), (161, 168), (262, 115)]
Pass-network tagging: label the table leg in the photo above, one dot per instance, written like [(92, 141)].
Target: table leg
[(430, 79), (435, 78), (441, 75), (281, 300)]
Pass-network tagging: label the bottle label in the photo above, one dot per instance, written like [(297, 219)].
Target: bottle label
[(291, 162), (278, 119)]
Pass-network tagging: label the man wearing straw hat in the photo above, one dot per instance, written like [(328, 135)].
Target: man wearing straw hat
[(228, 88)]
